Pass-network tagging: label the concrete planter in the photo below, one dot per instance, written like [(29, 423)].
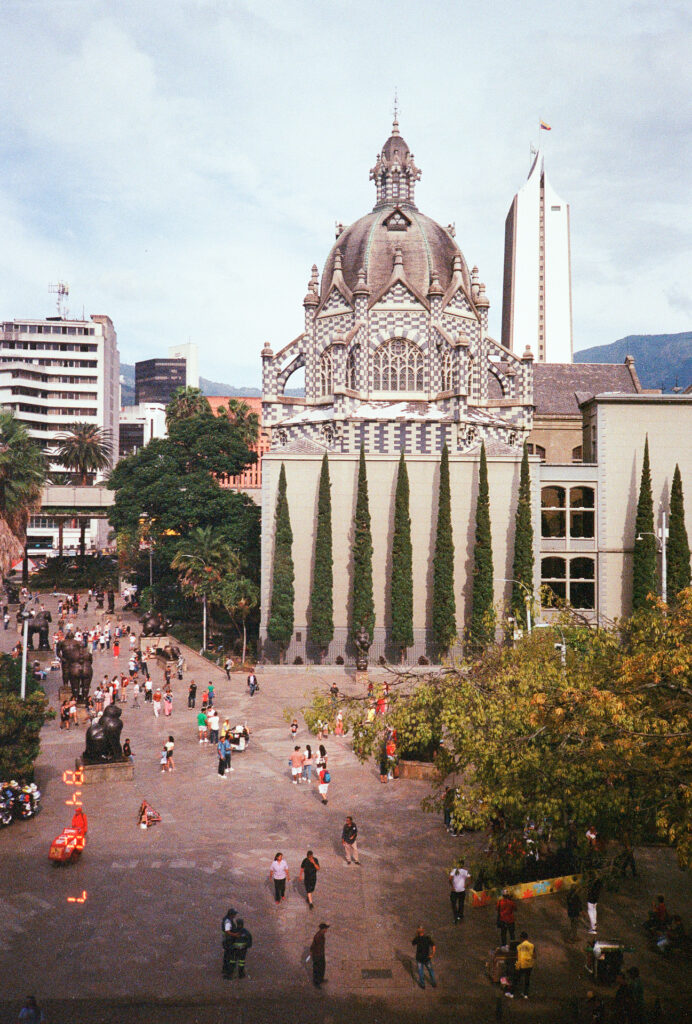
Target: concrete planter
[(423, 771)]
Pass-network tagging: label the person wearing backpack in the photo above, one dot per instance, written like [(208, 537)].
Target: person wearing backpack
[(325, 778)]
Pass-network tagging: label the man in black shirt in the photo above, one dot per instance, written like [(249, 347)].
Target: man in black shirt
[(308, 873), (425, 951), (349, 834)]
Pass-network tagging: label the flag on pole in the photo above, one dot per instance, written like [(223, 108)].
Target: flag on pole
[(545, 126)]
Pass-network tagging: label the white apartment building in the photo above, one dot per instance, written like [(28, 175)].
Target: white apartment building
[(537, 293), (59, 371)]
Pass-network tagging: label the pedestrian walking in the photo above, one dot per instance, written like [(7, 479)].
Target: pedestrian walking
[(31, 1013), (221, 751), (168, 747), (296, 764), (226, 741), (321, 758), (593, 893), (202, 726), (425, 951), (148, 690), (627, 858), (116, 648), (236, 943), (279, 873), (210, 692), (180, 666), (307, 763), (252, 683), (294, 727), (319, 955), (574, 908), (135, 694), (505, 917), (349, 835), (213, 720), (308, 875), (323, 788), (227, 666), (168, 704), (157, 703), (192, 694), (459, 878), (525, 963)]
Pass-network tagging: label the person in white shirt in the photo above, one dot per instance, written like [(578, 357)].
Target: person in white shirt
[(459, 878), (280, 874)]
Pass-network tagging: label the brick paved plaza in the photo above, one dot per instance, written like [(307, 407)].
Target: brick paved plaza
[(145, 944)]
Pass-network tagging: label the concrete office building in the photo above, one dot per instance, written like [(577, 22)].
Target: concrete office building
[(537, 293), (139, 424), (187, 352), (156, 380)]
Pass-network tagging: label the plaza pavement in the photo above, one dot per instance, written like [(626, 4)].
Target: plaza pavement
[(145, 944)]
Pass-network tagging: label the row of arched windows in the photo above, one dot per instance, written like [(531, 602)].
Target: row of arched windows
[(397, 365)]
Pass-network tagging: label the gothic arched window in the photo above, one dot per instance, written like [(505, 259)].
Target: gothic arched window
[(398, 366), (327, 372), (448, 370), (352, 368)]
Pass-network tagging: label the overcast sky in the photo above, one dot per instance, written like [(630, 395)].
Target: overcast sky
[(181, 163)]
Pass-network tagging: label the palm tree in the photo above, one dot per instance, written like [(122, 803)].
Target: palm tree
[(84, 449), (244, 418), (239, 596), (186, 402), (22, 472), (202, 559)]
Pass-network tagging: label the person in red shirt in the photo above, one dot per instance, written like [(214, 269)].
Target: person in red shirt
[(505, 917), (79, 821)]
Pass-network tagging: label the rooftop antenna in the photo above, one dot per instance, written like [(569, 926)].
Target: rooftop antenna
[(62, 290)]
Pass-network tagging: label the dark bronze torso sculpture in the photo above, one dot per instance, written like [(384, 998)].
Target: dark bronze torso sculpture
[(39, 624), (77, 667), (154, 624), (103, 738)]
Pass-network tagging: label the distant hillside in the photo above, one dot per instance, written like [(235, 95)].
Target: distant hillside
[(208, 387), (661, 360)]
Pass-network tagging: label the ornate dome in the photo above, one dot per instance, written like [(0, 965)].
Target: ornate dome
[(427, 249)]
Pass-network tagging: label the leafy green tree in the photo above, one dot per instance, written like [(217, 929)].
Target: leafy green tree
[(678, 547), (240, 597), (201, 560), (281, 612), (21, 721), (482, 626), (185, 403), (84, 449), (362, 603), (443, 601), (401, 582), (645, 549), (522, 568), (174, 483), (22, 472), (322, 595)]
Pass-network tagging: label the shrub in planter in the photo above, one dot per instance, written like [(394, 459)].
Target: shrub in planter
[(298, 660), (423, 660), (339, 660)]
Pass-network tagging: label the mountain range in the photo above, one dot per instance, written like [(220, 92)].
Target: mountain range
[(662, 361)]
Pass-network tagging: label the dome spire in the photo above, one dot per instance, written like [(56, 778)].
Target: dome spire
[(395, 173)]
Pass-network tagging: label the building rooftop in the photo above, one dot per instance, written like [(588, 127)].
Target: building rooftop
[(557, 385)]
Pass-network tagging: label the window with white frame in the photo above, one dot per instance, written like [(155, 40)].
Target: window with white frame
[(352, 368), (448, 370), (398, 366), (327, 372), (560, 518), (569, 580)]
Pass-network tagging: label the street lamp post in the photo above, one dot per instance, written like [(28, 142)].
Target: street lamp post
[(661, 538), (26, 616), (528, 597)]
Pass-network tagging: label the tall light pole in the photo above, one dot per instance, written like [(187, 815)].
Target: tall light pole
[(26, 616), (528, 597), (661, 537)]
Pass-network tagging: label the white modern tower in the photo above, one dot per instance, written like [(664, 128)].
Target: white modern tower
[(537, 294)]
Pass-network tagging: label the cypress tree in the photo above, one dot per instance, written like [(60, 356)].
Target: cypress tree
[(644, 559), (522, 567), (444, 604), (678, 547), (280, 624), (362, 604), (482, 628), (401, 585), (322, 597)]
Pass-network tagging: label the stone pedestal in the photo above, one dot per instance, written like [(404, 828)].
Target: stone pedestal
[(113, 771), (82, 715), (65, 693), (362, 677)]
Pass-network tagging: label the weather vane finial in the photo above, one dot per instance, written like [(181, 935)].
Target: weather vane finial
[(395, 125)]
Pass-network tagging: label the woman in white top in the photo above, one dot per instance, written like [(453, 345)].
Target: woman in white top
[(280, 874)]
